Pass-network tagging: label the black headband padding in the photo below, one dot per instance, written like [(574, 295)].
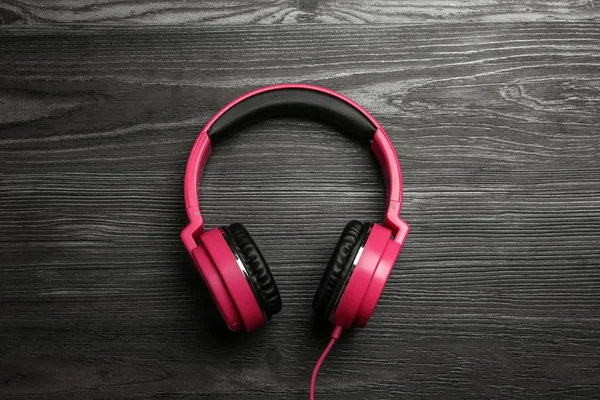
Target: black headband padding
[(295, 103)]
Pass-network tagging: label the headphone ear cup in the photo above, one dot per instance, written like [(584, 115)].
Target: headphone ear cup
[(215, 258), (366, 280), (217, 288), (256, 266), (338, 268)]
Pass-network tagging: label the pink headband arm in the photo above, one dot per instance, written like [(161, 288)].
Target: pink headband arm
[(381, 146)]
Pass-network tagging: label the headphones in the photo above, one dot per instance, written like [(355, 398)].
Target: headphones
[(231, 263)]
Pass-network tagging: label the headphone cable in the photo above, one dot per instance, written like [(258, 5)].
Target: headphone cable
[(334, 336)]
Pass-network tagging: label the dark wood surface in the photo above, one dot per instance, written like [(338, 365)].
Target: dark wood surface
[(294, 11), (496, 293)]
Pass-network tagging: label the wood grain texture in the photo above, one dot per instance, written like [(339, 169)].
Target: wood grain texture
[(497, 291), (293, 11)]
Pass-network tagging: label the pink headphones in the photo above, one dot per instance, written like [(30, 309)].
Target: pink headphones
[(229, 260)]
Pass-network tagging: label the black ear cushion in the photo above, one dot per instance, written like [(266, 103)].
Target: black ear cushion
[(336, 267), (256, 265)]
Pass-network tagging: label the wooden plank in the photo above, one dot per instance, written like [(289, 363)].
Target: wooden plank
[(496, 294), (236, 12)]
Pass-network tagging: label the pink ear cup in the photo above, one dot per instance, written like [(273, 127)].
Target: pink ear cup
[(367, 280), (377, 284), (237, 285), (217, 288)]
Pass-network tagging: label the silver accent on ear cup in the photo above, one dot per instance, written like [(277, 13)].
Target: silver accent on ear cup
[(358, 254), (246, 275)]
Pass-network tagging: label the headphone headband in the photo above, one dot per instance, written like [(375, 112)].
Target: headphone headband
[(297, 100)]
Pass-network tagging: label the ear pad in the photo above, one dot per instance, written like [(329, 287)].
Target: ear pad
[(257, 267), (338, 267)]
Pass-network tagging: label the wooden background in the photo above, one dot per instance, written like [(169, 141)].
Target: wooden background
[(494, 109)]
